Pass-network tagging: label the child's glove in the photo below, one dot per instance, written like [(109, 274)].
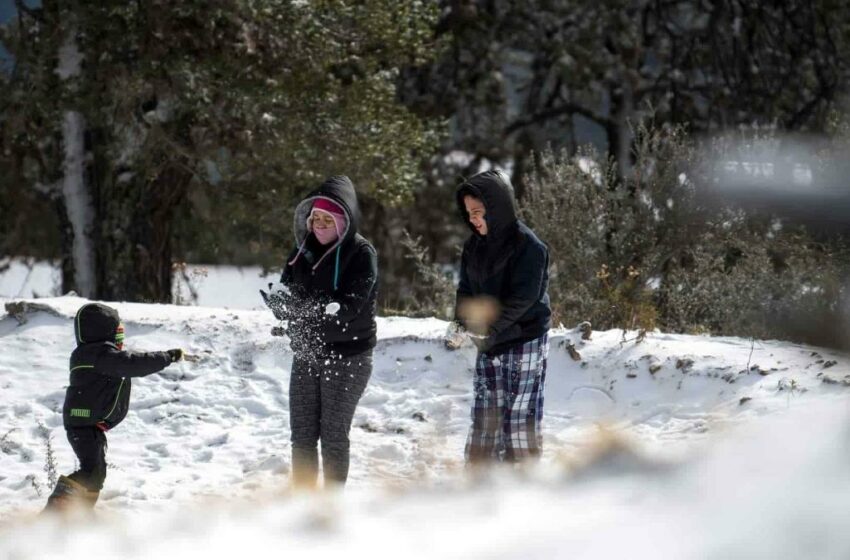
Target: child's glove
[(176, 354)]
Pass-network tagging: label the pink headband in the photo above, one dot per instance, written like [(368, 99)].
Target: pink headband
[(328, 206)]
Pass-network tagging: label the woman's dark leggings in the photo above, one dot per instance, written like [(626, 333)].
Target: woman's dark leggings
[(323, 395)]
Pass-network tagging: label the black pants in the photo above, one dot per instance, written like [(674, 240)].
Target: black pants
[(89, 444), (323, 395)]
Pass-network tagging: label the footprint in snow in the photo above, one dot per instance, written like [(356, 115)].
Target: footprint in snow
[(388, 452), (242, 357), (204, 456), (151, 464), (159, 448), (218, 440)]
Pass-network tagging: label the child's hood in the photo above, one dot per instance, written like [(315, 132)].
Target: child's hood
[(95, 322)]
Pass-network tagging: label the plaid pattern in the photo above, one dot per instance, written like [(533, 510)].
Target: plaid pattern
[(508, 408)]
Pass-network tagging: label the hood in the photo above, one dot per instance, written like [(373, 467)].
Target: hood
[(339, 189), (95, 322), (494, 189)]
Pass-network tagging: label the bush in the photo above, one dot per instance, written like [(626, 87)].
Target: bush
[(431, 293), (604, 233), (649, 250)]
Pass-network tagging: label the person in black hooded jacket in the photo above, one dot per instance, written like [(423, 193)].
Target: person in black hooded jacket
[(327, 295), (98, 397), (503, 305)]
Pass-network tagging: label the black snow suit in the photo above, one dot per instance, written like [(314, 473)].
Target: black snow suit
[(99, 394)]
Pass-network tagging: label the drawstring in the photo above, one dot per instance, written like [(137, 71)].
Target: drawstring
[(336, 268), (336, 263), (300, 250)]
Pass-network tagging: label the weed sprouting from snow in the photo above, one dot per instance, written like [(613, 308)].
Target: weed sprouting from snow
[(433, 292), (49, 455), (6, 444), (35, 484), (789, 385)]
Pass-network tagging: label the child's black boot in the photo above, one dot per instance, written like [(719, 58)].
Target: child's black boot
[(70, 494)]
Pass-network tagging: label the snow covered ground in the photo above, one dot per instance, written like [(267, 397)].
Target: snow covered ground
[(674, 447), (215, 285)]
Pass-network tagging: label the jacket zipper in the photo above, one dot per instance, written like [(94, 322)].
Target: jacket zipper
[(118, 396)]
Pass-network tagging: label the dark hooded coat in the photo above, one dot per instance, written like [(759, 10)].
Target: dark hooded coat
[(345, 272), (99, 392), (509, 264)]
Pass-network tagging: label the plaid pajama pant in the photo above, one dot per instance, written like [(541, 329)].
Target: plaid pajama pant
[(508, 408)]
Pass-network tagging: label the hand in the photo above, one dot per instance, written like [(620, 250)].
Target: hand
[(176, 354), (275, 300), (454, 336), (481, 342)]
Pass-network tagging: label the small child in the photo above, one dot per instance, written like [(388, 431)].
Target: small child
[(98, 398)]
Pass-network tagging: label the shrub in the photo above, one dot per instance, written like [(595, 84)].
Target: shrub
[(432, 291), (651, 250)]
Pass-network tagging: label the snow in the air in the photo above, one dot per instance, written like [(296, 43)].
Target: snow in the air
[(676, 446)]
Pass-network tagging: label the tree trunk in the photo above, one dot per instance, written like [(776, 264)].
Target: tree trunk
[(78, 266), (78, 205), (619, 131), (116, 220), (135, 242)]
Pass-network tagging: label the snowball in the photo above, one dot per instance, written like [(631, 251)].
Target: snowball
[(332, 308)]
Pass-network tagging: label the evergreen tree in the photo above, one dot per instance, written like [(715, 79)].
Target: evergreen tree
[(147, 119), (519, 76)]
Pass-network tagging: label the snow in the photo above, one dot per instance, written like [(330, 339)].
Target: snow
[(39, 280), (674, 447), (280, 288), (223, 286), (332, 308)]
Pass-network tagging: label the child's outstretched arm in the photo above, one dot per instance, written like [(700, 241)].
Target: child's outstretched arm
[(120, 363)]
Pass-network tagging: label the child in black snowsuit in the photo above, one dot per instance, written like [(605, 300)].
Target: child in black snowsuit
[(98, 398)]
